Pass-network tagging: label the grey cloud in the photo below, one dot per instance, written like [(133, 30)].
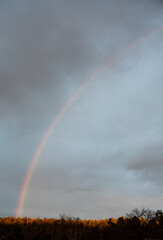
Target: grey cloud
[(148, 163), (150, 158)]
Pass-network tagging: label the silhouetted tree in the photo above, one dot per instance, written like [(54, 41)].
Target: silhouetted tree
[(145, 213)]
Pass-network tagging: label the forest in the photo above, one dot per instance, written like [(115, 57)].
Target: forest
[(138, 225)]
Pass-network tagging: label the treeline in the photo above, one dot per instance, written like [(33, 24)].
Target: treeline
[(69, 228)]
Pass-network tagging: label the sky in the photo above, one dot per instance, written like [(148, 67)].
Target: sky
[(105, 155)]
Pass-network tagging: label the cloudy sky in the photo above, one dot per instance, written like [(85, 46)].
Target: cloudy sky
[(105, 156)]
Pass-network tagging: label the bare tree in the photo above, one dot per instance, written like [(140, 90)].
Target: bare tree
[(145, 213)]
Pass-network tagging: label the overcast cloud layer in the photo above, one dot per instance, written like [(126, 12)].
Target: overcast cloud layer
[(105, 156)]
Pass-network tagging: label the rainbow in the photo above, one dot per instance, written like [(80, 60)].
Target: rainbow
[(68, 103)]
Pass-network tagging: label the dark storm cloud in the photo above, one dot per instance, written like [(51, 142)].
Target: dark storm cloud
[(39, 49), (48, 46)]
